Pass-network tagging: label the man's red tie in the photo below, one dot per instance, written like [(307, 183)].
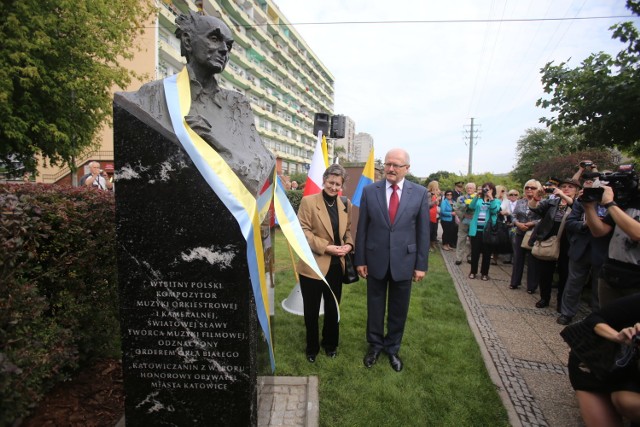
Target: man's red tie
[(393, 203)]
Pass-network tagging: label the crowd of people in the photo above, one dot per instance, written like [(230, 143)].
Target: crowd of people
[(575, 229)]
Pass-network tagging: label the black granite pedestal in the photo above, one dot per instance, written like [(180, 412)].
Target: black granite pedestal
[(189, 328)]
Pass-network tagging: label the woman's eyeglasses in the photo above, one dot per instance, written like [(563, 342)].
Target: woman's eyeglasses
[(530, 188), (512, 194)]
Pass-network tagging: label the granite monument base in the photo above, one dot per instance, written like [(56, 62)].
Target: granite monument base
[(189, 328)]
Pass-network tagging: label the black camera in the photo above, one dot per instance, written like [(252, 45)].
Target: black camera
[(549, 190), (586, 164), (624, 183)]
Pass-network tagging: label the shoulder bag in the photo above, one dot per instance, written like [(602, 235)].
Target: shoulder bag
[(350, 274), (525, 240), (497, 235), (549, 249)]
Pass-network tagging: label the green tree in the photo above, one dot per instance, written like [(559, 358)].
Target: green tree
[(600, 99), (542, 154), (437, 176), (59, 60), (538, 146)]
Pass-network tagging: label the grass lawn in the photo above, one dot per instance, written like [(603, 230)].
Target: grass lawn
[(444, 381)]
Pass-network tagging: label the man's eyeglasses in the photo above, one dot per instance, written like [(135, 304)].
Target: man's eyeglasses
[(393, 165), (512, 194), (530, 188)]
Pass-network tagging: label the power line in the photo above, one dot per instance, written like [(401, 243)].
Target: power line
[(445, 21)]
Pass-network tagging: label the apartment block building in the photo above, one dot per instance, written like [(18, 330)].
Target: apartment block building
[(270, 64), (362, 145)]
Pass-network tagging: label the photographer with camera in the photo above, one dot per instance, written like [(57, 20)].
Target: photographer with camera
[(553, 212), (586, 256), (620, 274), (485, 208), (585, 166), (96, 178)]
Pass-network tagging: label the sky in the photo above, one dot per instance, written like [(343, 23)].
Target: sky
[(418, 85)]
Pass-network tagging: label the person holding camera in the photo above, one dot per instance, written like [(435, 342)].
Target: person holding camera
[(620, 273), (585, 166), (96, 178), (605, 399), (486, 207), (553, 212), (586, 256)]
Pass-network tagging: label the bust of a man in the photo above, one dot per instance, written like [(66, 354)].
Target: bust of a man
[(222, 118)]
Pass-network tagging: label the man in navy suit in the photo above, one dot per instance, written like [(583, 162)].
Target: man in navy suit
[(392, 249)]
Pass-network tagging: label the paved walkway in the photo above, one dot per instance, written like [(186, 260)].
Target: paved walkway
[(521, 346)]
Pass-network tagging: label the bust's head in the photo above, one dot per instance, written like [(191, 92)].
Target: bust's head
[(204, 40)]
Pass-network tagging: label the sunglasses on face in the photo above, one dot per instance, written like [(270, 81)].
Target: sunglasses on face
[(530, 188), (512, 194)]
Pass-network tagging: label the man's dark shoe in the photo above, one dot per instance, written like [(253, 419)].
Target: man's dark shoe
[(371, 358), (332, 353), (564, 320), (311, 358), (395, 362), (506, 261), (542, 303)]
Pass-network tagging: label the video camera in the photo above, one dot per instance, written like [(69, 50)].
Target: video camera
[(624, 183)]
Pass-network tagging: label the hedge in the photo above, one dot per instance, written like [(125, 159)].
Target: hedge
[(58, 289)]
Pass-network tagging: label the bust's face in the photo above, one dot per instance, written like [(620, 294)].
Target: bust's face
[(210, 44)]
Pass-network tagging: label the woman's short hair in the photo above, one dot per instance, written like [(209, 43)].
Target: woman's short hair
[(337, 170), (531, 183), (491, 185)]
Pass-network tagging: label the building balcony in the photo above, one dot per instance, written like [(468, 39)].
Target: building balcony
[(170, 54)]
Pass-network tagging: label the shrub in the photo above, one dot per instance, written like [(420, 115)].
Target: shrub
[(58, 292), (294, 197)]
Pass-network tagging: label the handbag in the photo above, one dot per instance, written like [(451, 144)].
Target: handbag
[(525, 240), (549, 249), (350, 274), (497, 235)]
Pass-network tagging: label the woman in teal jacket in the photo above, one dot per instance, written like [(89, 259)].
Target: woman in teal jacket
[(486, 208)]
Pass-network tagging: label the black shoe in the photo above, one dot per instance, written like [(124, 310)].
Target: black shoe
[(311, 358), (458, 262), (530, 292), (332, 353), (564, 320), (542, 303), (506, 261), (371, 358), (395, 362)]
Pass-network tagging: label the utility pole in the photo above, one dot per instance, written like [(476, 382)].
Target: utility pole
[(472, 134)]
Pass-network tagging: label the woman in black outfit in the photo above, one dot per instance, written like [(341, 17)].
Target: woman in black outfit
[(603, 402), (552, 211), (326, 223)]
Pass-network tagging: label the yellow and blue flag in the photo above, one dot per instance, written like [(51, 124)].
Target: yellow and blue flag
[(368, 176)]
